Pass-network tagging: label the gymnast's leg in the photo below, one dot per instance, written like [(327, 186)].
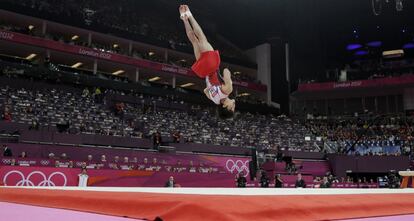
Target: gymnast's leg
[(190, 33), (203, 43)]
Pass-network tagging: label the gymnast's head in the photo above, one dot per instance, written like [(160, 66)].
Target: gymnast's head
[(226, 109)]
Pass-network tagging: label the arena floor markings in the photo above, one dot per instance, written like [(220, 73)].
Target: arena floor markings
[(213, 203)]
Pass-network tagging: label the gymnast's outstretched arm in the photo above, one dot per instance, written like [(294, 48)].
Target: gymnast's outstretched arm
[(227, 87)]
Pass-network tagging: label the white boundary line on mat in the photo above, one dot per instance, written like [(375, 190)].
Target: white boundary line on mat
[(231, 191)]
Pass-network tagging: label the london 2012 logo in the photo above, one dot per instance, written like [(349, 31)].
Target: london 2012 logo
[(238, 166), (27, 181), (6, 35)]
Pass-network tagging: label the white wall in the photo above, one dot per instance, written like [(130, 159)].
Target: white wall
[(408, 99), (261, 54)]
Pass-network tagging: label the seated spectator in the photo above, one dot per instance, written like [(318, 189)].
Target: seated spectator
[(7, 152), (300, 183), (7, 116), (98, 95), (34, 125), (126, 160), (90, 158), (63, 156), (154, 161), (29, 110), (120, 109), (126, 165), (332, 179), (103, 159), (170, 183), (85, 92), (70, 165), (176, 137), (12, 162), (325, 183), (83, 165), (23, 155), (51, 156), (291, 167), (317, 180)]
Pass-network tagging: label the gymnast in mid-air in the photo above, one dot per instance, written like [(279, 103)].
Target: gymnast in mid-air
[(208, 66)]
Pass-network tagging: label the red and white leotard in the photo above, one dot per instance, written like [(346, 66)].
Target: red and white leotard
[(207, 67), (215, 93)]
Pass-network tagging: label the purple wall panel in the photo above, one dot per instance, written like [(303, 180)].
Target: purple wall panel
[(367, 164)]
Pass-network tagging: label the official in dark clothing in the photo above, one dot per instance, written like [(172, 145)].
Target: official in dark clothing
[(300, 183), (241, 180), (170, 182), (157, 140), (264, 180), (278, 181), (7, 152)]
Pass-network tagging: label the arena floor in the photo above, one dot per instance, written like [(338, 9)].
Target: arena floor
[(91, 203)]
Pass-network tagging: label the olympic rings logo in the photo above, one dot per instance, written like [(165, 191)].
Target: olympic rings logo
[(44, 162), (25, 181), (6, 161), (238, 166)]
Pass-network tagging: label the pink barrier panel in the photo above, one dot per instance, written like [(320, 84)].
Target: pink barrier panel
[(391, 81), (38, 152), (274, 166), (355, 185), (316, 168), (233, 165), (50, 176), (73, 49)]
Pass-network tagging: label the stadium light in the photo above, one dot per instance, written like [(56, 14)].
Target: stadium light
[(118, 72), (75, 37), (408, 46), (154, 79), (31, 27), (151, 53), (31, 56), (187, 85), (115, 45), (243, 95), (393, 53), (78, 64), (237, 72)]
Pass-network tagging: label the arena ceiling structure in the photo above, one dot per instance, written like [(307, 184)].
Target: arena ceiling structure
[(320, 32)]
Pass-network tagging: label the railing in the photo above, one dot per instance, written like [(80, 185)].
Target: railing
[(407, 79), (113, 57), (41, 73)]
